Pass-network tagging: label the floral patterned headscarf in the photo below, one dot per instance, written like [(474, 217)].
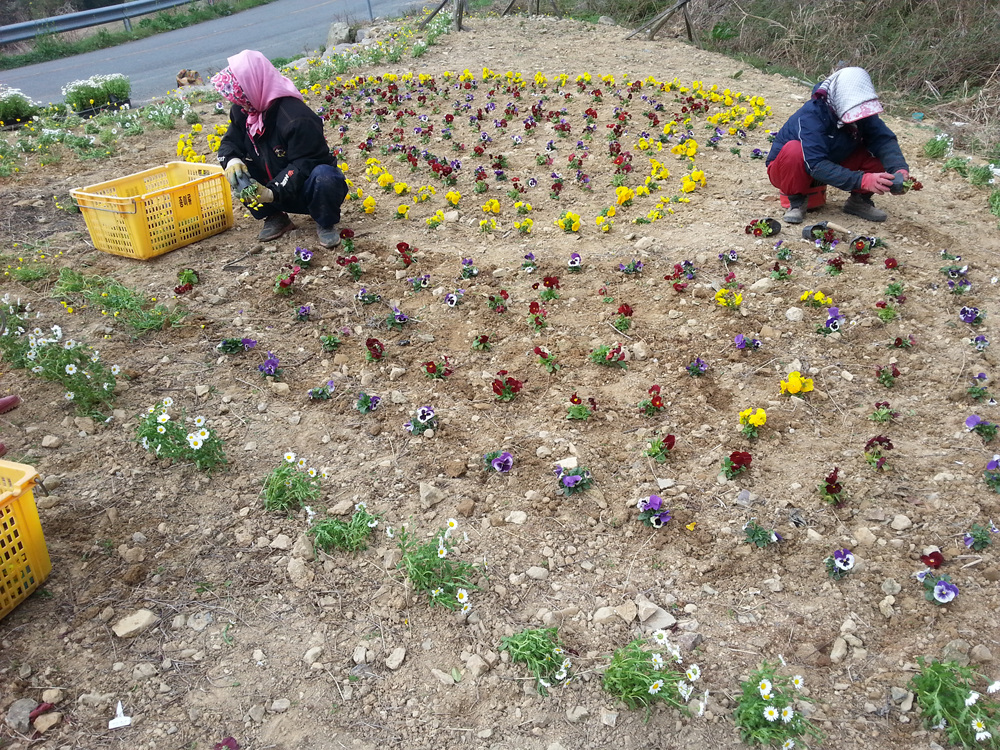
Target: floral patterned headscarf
[(253, 83)]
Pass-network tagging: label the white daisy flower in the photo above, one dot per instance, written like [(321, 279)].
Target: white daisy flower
[(70, 369), (462, 595), (657, 662), (115, 369), (442, 552), (971, 700), (798, 682), (168, 402), (290, 457), (199, 421), (660, 636), (786, 714), (196, 443), (994, 687), (361, 505), (685, 689), (389, 532), (437, 592), (788, 744), (302, 463), (655, 687), (161, 429), (312, 472), (163, 418), (693, 673), (764, 686), (70, 396), (466, 608), (771, 713)]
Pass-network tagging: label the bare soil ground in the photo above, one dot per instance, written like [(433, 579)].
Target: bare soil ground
[(241, 599)]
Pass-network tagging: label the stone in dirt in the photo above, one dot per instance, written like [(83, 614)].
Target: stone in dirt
[(957, 651), (138, 622), (627, 610), (609, 718), (430, 495), (660, 620), (395, 660), (53, 696), (303, 548), (300, 574), (839, 651), (19, 715), (570, 462), (901, 522), (312, 655), (280, 706), (45, 722), (577, 714), (466, 508), (537, 573), (199, 621), (645, 608), (516, 517), (360, 654), (981, 654), (604, 615), (864, 536), (794, 314), (689, 641), (477, 666), (51, 441), (443, 677)]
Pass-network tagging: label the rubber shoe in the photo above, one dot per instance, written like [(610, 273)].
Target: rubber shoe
[(328, 237), (275, 226), (9, 403), (796, 212), (862, 206)]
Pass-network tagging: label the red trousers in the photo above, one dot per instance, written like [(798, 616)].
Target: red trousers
[(788, 172)]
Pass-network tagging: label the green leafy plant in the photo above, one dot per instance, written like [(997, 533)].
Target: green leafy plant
[(609, 356), (659, 448), (432, 569), (540, 650), (167, 437), (290, 485), (978, 537), (329, 343), (15, 107), (350, 536), (764, 712), (97, 91), (758, 536), (938, 146), (116, 300), (948, 701), (640, 677)]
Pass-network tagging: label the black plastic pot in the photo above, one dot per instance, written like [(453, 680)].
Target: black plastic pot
[(897, 184), (113, 105)]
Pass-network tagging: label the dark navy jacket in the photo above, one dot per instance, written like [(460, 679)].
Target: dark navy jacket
[(281, 157), (824, 145)]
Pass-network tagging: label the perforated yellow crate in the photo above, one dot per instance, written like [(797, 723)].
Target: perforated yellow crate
[(158, 210), (24, 558)]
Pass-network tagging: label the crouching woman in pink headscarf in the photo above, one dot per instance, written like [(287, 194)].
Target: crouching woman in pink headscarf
[(836, 138), (277, 140)]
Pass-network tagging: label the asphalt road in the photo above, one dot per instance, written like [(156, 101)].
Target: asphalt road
[(283, 28)]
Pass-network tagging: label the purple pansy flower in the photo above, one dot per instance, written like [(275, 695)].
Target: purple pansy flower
[(945, 591), (503, 463)]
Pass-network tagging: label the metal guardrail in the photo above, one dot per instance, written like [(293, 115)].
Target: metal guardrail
[(18, 32)]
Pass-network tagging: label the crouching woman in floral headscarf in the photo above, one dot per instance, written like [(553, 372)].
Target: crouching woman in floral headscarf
[(277, 140), (836, 138)]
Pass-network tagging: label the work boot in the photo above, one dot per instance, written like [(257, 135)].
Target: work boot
[(275, 226), (862, 205), (9, 403), (796, 212), (328, 237)]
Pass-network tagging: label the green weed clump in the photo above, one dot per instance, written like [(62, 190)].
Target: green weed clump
[(640, 677), (116, 300), (765, 713), (948, 700), (291, 485), (167, 437), (348, 536), (433, 569), (541, 651)]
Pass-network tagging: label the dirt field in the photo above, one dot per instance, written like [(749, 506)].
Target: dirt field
[(262, 640)]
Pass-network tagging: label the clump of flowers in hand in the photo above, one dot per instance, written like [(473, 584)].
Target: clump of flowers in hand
[(751, 420), (839, 564), (978, 537), (166, 437), (652, 405), (424, 420), (572, 481), (374, 350), (579, 410), (285, 279), (887, 375), (367, 403), (499, 461), (609, 356), (697, 368), (236, 346), (765, 710), (796, 384), (659, 448), (505, 387), (270, 368), (437, 370), (547, 360), (832, 490), (736, 463), (875, 450), (758, 536), (986, 430), (651, 511)]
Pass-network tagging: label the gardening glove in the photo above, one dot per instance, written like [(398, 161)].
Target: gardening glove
[(236, 169), (905, 173), (876, 182), (264, 195)]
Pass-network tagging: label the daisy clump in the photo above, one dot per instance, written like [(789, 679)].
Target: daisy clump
[(644, 673), (765, 712), (434, 569), (291, 485), (959, 702), (541, 651), (350, 536), (179, 439)]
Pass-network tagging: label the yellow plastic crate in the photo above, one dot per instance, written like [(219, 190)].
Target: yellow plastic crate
[(158, 210), (24, 558)]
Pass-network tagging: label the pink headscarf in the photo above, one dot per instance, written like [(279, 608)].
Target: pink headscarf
[(252, 83)]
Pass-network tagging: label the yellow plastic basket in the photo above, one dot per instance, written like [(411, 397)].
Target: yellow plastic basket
[(158, 210), (24, 558)]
